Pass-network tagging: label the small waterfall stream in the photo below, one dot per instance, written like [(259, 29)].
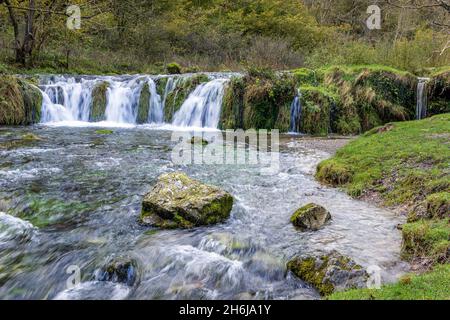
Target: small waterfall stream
[(422, 99), (202, 107), (296, 114)]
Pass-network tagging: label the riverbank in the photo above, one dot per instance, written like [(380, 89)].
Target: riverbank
[(404, 166)]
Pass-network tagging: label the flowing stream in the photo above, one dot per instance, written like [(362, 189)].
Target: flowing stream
[(72, 202)]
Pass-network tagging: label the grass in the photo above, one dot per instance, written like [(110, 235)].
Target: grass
[(405, 164), (434, 285)]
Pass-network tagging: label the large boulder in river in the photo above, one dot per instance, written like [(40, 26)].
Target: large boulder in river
[(177, 201), (329, 272), (310, 217)]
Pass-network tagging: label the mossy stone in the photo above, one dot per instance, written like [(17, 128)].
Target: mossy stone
[(177, 201)]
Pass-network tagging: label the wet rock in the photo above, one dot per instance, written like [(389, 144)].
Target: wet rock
[(12, 228), (177, 201), (310, 217), (199, 141), (122, 270), (330, 272), (104, 131)]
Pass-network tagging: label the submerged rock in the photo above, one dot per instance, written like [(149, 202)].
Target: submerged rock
[(177, 201), (99, 102), (122, 270), (20, 101), (199, 141), (330, 272), (104, 131), (310, 217), (12, 228)]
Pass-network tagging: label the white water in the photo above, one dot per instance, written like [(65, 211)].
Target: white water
[(68, 101), (122, 100), (202, 107), (422, 99), (296, 114)]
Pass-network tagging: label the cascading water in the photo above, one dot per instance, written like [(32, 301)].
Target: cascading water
[(202, 107), (422, 99), (123, 98), (156, 105), (71, 99), (296, 114), (67, 99)]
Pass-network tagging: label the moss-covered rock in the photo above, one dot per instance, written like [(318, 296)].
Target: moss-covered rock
[(26, 140), (99, 102), (310, 217), (177, 201), (370, 96), (259, 100), (119, 270), (144, 104), (439, 93), (20, 102), (104, 131), (329, 273), (232, 116), (173, 68), (199, 141), (317, 110), (333, 173)]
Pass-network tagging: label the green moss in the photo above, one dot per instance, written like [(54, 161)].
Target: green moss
[(173, 68), (308, 271), (161, 84), (317, 105), (439, 93), (104, 131), (267, 99), (429, 286), (438, 205), (305, 76), (191, 205), (20, 102), (370, 96), (44, 213), (428, 239), (144, 105), (334, 173), (26, 140), (99, 102), (232, 115)]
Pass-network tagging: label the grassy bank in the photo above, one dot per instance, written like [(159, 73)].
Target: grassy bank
[(403, 165), (429, 286)]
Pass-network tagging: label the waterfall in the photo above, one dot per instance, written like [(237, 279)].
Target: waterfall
[(156, 105), (203, 106), (74, 97), (422, 99), (53, 112), (120, 100), (296, 114)]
